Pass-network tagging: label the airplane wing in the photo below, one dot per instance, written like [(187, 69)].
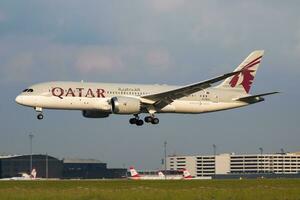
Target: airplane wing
[(160, 100)]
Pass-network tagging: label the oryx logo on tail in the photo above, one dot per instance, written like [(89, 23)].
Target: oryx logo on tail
[(243, 81), (245, 78)]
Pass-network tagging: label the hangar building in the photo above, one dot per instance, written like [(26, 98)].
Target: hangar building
[(51, 167), (89, 169), (46, 166)]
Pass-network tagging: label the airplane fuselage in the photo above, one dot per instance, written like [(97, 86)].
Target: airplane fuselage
[(97, 96)]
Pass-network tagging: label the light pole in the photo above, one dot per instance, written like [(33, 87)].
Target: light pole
[(47, 168), (261, 161), (165, 151), (126, 170), (30, 138), (282, 154), (215, 153)]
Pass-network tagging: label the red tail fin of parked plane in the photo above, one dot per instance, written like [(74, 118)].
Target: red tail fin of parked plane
[(186, 174), (134, 173)]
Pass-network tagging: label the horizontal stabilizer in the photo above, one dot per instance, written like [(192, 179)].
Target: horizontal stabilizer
[(257, 97)]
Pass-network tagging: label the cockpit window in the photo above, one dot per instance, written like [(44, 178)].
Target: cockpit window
[(28, 90)]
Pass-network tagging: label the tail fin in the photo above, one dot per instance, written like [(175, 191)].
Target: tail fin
[(186, 174), (161, 175), (33, 174), (133, 172), (242, 82)]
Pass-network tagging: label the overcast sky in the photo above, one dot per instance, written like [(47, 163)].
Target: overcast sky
[(141, 41)]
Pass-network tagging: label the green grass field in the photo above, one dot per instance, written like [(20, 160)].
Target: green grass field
[(129, 189)]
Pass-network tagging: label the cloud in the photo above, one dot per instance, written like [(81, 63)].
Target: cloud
[(36, 59), (19, 67), (98, 59), (158, 37), (158, 58), (32, 59)]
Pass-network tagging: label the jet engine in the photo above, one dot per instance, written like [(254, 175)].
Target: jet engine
[(94, 114), (125, 105)]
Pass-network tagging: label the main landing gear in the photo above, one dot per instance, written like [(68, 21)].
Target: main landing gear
[(40, 115), (136, 120), (148, 119), (151, 119)]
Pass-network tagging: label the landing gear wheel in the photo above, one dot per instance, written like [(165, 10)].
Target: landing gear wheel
[(40, 116), (155, 121), (139, 122), (133, 120), (148, 119)]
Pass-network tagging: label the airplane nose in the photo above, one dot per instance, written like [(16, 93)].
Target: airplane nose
[(25, 100), (19, 99)]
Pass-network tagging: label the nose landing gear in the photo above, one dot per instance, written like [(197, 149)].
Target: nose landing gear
[(40, 115)]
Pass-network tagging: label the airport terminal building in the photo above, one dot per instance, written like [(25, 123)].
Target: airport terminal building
[(236, 164)]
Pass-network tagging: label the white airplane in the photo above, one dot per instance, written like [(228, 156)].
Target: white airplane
[(187, 176), (136, 176), (99, 100), (159, 176), (24, 176)]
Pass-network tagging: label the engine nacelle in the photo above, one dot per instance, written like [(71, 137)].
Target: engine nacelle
[(125, 105), (94, 114)]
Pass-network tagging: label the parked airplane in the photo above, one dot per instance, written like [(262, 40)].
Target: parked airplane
[(99, 100), (136, 176), (24, 176), (187, 176), (159, 176)]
